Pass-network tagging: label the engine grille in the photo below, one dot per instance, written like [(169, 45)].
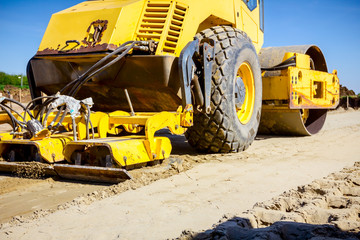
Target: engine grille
[(162, 22)]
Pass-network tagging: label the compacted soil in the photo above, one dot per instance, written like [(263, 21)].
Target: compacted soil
[(296, 183)]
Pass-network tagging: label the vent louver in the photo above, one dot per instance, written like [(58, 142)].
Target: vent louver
[(162, 22)]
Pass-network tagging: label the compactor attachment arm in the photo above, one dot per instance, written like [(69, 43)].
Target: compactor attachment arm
[(195, 63)]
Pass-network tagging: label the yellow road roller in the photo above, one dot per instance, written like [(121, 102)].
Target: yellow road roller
[(109, 74)]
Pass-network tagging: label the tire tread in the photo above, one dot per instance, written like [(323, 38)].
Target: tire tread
[(213, 132)]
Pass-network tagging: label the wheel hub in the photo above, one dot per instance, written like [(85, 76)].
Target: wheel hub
[(244, 93), (240, 93)]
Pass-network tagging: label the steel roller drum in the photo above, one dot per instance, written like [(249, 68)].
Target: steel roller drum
[(286, 121)]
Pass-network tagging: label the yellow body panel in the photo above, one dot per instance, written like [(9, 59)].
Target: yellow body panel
[(125, 151), (50, 149), (75, 23), (302, 88), (131, 150), (172, 23), (314, 89), (302, 60), (4, 118)]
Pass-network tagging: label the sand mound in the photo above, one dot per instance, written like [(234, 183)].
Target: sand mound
[(328, 207), (31, 170)]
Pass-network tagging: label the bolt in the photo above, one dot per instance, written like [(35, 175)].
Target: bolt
[(208, 109), (176, 127), (154, 156)]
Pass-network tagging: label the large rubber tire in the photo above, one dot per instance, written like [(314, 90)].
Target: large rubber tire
[(221, 130)]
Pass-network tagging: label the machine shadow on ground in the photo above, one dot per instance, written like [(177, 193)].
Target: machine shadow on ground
[(265, 137), (241, 228), (180, 145)]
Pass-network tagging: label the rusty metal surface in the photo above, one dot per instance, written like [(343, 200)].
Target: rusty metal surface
[(152, 81), (89, 46), (82, 49), (102, 26)]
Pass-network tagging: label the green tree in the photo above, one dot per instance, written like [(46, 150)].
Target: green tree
[(12, 79)]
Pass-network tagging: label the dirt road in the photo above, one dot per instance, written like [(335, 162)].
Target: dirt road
[(164, 203)]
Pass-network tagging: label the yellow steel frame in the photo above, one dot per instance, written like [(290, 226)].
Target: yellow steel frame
[(125, 151), (4, 118), (313, 89), (302, 87), (134, 149)]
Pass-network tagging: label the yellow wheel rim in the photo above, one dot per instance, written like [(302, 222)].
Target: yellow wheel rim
[(244, 93)]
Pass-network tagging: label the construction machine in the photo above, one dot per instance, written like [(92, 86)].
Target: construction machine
[(109, 74)]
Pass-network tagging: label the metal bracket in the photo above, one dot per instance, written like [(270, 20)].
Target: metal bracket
[(187, 69), (208, 54), (190, 61)]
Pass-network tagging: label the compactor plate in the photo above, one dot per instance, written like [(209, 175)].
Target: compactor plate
[(72, 172), (90, 173)]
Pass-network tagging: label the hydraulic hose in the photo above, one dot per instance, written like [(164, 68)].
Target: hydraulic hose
[(61, 120), (11, 109), (97, 64), (32, 102), (75, 85), (82, 82), (285, 64), (13, 119)]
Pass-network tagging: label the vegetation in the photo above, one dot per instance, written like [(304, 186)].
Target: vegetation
[(14, 80), (351, 96)]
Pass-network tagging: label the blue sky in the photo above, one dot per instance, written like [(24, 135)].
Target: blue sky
[(331, 24)]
